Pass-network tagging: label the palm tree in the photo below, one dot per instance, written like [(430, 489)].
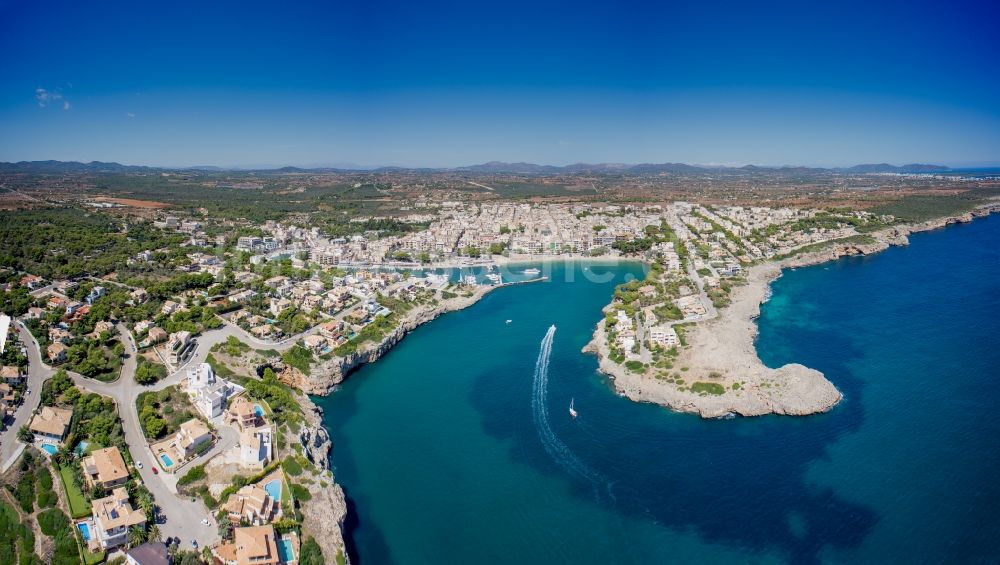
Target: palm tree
[(153, 534), (136, 536), (145, 502)]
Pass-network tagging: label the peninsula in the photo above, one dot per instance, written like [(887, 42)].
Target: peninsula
[(716, 370)]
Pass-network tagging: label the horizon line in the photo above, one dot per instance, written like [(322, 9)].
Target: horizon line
[(607, 164)]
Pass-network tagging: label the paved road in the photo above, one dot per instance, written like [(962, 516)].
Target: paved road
[(640, 335), (38, 372), (705, 300), (181, 517)]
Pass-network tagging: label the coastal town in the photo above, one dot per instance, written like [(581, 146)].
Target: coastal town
[(474, 283), (155, 394)]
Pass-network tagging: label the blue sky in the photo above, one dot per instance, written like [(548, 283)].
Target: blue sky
[(462, 82)]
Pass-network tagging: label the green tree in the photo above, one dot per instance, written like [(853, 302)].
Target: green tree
[(136, 536), (310, 553)]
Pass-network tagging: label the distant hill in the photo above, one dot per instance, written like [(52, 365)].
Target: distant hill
[(71, 167), (492, 167), (887, 168), (501, 167)]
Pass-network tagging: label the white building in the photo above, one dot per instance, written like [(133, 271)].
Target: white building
[(178, 346), (255, 447), (664, 336), (208, 392)]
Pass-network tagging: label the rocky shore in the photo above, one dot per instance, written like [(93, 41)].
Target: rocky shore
[(324, 515), (721, 351), (327, 374)]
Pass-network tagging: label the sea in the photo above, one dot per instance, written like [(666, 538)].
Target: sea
[(457, 446)]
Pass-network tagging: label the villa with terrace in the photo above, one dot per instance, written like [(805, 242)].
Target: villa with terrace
[(112, 518), (255, 432), (105, 468), (208, 392), (173, 451), (258, 545), (51, 424), (8, 401), (255, 447), (253, 504), (245, 413)]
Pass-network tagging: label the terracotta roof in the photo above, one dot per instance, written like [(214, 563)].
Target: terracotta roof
[(109, 464), (51, 421), (248, 501), (255, 544), (116, 511)]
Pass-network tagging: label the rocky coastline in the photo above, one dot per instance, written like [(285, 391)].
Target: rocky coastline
[(323, 517), (721, 350), (325, 375)]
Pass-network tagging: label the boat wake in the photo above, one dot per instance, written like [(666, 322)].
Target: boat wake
[(557, 450)]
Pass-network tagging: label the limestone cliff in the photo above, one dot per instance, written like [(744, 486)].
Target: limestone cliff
[(327, 374), (324, 514)]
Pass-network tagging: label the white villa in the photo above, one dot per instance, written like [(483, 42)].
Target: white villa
[(112, 517), (208, 392), (255, 447), (664, 336)]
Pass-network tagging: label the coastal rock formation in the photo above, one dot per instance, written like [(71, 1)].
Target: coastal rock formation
[(323, 516), (316, 446), (327, 374)]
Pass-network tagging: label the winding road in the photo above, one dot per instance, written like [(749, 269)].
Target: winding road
[(180, 517)]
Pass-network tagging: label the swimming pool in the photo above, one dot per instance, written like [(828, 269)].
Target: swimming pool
[(81, 447), (258, 411), (49, 448), (285, 551), (273, 489), (167, 461), (84, 531)]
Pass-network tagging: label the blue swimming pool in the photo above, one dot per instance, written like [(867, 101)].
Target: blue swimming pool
[(167, 461), (81, 447), (285, 551), (84, 531), (258, 410), (49, 448), (273, 489)]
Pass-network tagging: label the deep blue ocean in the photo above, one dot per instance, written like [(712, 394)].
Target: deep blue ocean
[(449, 453)]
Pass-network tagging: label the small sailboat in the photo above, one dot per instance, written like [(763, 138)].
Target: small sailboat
[(572, 412), (509, 321), (531, 271)]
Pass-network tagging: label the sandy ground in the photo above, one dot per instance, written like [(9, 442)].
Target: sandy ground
[(133, 203)]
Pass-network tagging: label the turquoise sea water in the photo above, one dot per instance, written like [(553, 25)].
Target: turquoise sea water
[(444, 460)]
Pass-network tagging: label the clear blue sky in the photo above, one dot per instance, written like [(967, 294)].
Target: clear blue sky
[(373, 82)]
